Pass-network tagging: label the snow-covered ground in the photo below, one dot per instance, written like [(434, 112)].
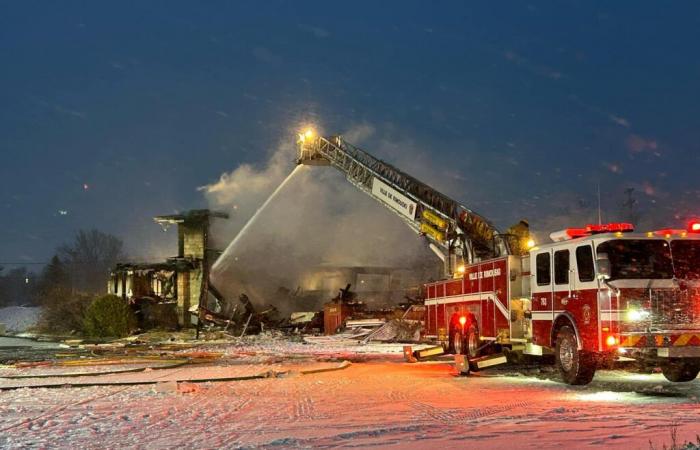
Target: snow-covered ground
[(15, 342), (19, 318), (378, 401)]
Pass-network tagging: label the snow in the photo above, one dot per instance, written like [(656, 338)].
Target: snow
[(19, 318), (9, 342), (377, 401)]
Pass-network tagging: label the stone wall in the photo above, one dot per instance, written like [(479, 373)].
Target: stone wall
[(193, 241), (183, 297), (189, 288)]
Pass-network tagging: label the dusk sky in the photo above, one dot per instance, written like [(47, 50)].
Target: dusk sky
[(113, 112)]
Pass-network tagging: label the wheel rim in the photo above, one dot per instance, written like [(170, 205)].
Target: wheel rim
[(457, 340), (473, 344), (566, 354)]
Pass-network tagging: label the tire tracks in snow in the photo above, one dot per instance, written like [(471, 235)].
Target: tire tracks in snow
[(51, 413), (198, 410), (459, 415), (58, 415)]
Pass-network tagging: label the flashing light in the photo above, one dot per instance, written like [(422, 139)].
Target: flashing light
[(462, 320), (530, 243), (611, 341), (637, 315), (461, 269), (574, 233), (668, 232), (590, 229), (621, 227), (694, 226), (567, 234)]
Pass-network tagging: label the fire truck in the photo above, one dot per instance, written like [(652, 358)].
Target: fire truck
[(593, 295)]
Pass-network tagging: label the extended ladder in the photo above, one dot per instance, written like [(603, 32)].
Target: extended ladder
[(452, 228)]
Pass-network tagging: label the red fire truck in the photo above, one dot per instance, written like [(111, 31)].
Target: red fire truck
[(598, 293), (593, 294)]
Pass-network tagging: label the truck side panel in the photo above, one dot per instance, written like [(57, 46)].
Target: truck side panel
[(482, 292)]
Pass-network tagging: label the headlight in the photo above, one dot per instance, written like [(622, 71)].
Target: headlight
[(637, 315)]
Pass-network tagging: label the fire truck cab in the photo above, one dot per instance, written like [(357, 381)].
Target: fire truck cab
[(594, 294)]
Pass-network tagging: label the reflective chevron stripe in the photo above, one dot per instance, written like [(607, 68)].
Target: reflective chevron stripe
[(630, 341), (661, 340), (687, 339)]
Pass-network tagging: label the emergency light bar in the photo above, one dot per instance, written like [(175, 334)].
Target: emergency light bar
[(668, 232), (610, 228), (693, 227), (591, 229)]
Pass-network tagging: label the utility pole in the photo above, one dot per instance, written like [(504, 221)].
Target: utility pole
[(630, 206)]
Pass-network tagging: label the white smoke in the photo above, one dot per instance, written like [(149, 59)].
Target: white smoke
[(317, 219)]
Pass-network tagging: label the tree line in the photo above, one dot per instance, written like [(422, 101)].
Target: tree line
[(79, 267)]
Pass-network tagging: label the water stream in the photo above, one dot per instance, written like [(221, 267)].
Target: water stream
[(228, 257)]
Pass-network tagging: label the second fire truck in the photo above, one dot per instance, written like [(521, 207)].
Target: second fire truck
[(593, 295)]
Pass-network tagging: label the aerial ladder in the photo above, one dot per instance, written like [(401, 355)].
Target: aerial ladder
[(455, 233)]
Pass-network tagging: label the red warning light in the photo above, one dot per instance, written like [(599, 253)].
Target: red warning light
[(665, 231), (610, 228), (694, 226), (574, 233), (611, 341)]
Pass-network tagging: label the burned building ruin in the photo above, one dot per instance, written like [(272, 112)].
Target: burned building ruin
[(179, 283)]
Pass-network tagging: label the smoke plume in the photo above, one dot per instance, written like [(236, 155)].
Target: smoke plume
[(317, 219)]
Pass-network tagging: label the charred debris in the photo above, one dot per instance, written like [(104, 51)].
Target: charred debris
[(375, 303)]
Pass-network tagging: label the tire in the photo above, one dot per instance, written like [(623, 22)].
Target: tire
[(681, 371), (471, 342), (576, 367), (456, 343)]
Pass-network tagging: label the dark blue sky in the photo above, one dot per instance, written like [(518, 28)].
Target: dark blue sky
[(520, 109)]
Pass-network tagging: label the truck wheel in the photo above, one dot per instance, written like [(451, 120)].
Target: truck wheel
[(472, 342), (681, 371), (456, 344), (575, 367)]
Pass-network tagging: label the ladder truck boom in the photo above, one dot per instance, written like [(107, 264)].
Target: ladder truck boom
[(454, 230)]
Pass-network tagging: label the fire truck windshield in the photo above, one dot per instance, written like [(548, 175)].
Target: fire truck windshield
[(638, 258), (686, 258)]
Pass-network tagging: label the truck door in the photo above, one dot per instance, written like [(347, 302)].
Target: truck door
[(562, 295), (542, 310), (584, 303)]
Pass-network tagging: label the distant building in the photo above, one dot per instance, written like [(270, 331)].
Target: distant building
[(180, 280)]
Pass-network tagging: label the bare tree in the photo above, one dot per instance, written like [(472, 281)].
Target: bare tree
[(90, 258)]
